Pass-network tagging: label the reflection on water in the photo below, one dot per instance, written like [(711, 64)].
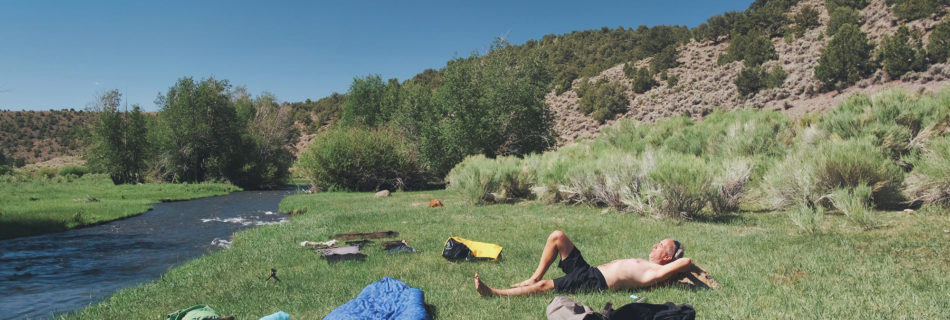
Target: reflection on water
[(54, 273)]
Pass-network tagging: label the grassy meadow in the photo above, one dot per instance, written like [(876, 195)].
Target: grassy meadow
[(30, 206), (767, 267)]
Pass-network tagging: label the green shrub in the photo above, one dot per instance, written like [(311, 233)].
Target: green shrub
[(664, 129), (902, 52), (846, 59), (665, 59), (896, 120), (930, 181), (938, 49), (672, 81), (763, 17), (514, 179), (612, 179), (857, 162), (729, 185), (775, 77), (853, 4), (643, 81), (483, 180), (916, 9), (689, 140), (753, 79), (716, 26), (475, 178), (73, 170), (749, 81), (5, 169), (841, 16), (46, 172), (805, 217), (814, 172), (681, 185), (603, 100), (748, 133), (806, 19), (855, 203), (361, 159), (626, 134), (565, 79), (752, 49)]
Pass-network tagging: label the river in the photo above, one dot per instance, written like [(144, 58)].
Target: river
[(42, 276)]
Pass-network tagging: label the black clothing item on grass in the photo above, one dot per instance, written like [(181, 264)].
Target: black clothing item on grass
[(666, 311), (579, 275)]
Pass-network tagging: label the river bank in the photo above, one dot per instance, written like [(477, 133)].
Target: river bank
[(43, 205), (49, 274), (767, 269)]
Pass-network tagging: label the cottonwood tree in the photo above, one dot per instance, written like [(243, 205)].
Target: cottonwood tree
[(121, 143), (266, 156), (200, 133)]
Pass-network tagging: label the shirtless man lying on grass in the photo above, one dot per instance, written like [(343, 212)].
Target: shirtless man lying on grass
[(665, 261)]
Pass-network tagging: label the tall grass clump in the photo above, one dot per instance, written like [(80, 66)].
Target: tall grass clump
[(806, 217), (73, 171), (929, 183), (896, 119), (550, 169), (483, 180), (682, 185), (611, 179), (810, 173), (361, 159), (749, 133), (855, 203), (627, 135), (730, 185)]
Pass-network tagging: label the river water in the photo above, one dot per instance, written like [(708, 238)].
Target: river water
[(45, 275)]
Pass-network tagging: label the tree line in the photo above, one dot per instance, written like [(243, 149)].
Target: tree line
[(204, 131), (409, 134)]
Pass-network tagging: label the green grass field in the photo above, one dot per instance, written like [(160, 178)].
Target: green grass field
[(43, 205), (767, 269)]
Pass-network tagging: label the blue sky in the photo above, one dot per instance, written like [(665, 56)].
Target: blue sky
[(62, 54)]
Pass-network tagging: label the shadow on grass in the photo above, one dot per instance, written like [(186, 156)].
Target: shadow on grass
[(29, 227), (432, 311), (727, 218)]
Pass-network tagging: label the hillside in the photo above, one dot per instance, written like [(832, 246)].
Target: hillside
[(705, 86), (36, 136)]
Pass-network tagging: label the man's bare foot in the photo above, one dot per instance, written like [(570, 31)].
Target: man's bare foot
[(524, 283), (482, 289)]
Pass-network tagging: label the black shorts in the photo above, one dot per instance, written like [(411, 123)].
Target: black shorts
[(579, 275)]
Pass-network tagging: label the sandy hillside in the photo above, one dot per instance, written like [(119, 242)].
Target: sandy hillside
[(705, 86)]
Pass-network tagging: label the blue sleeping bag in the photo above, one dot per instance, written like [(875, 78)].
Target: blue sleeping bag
[(384, 299)]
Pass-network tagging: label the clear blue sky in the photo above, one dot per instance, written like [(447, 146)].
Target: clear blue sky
[(62, 54)]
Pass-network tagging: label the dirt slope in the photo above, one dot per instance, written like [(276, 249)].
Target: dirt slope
[(705, 86)]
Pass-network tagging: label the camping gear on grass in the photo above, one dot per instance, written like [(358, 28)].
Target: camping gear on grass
[(463, 249), (195, 312), (341, 253), (666, 311), (368, 235), (384, 299), (397, 246), (564, 308)]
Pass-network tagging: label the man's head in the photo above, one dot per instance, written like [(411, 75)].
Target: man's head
[(665, 251)]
